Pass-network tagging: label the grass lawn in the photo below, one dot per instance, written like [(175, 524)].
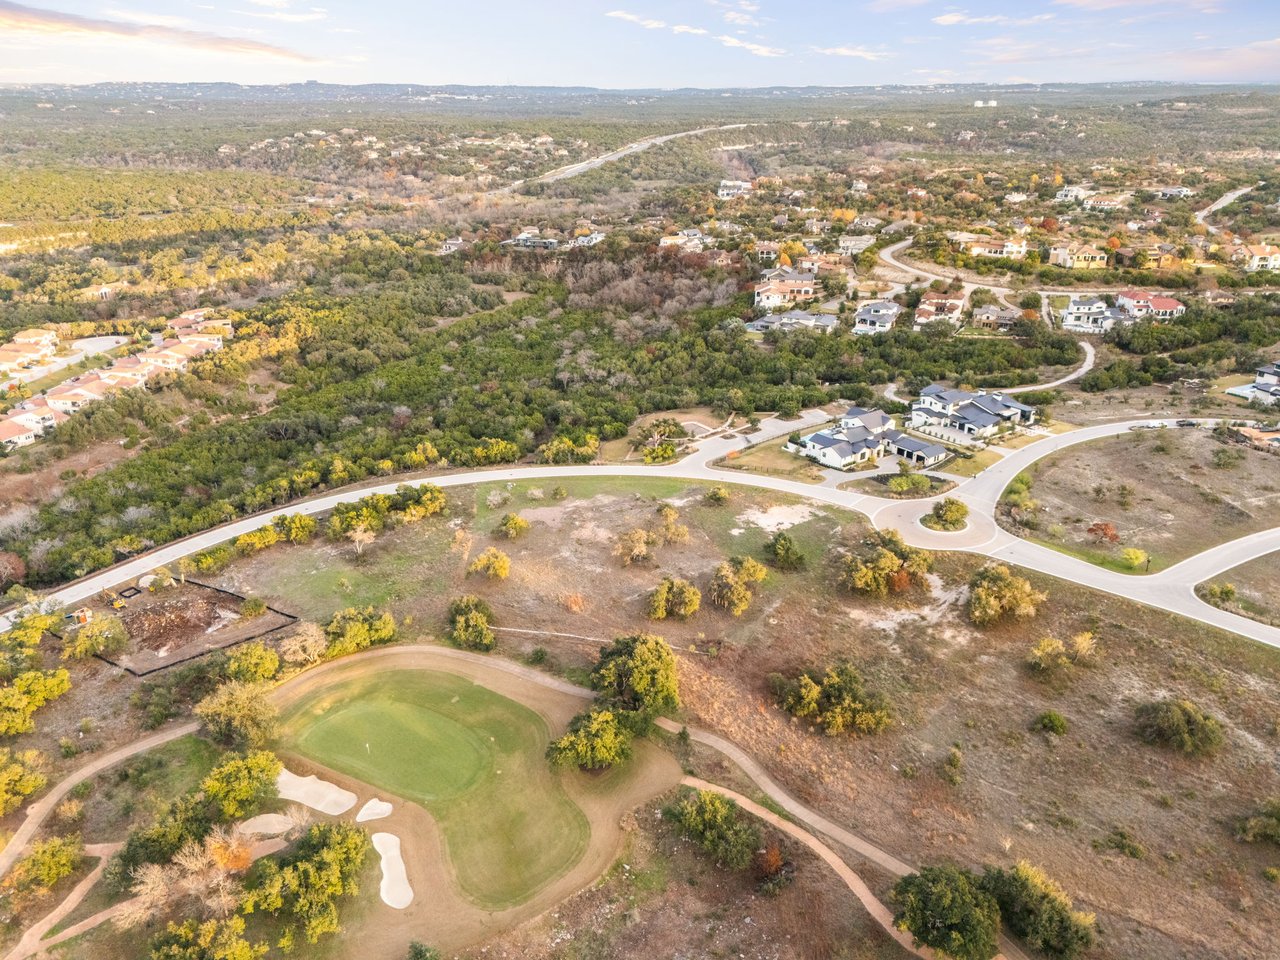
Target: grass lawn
[(972, 466), (471, 757), (771, 460)]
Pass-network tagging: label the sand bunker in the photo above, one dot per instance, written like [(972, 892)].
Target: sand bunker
[(394, 890), (266, 825), (315, 793), (779, 517), (375, 809)]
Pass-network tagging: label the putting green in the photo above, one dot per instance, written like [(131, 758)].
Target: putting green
[(471, 757)]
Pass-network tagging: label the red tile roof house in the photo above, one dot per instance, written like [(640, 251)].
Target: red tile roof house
[(1139, 303), (14, 433)]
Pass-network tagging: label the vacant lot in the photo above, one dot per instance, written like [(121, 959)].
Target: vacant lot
[(1171, 493), (1257, 589), (771, 460), (472, 758)]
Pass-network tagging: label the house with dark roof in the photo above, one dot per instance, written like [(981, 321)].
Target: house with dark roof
[(976, 414), (864, 436)]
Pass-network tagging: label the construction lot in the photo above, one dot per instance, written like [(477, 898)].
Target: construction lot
[(177, 624)]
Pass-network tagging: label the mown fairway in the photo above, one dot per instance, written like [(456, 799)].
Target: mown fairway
[(473, 758)]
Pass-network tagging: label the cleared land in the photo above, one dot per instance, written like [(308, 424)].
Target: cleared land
[(1257, 589), (472, 758), (771, 460), (1171, 493)]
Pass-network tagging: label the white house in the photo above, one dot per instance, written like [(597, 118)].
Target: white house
[(1071, 194), (732, 189), (876, 316), (1140, 303), (1091, 315), (850, 245), (1262, 256), (865, 435), (939, 306), (1012, 249), (976, 414), (788, 288)]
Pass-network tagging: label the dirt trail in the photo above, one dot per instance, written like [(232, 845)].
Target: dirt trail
[(31, 938)]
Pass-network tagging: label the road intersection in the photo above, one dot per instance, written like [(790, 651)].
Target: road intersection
[(1172, 589)]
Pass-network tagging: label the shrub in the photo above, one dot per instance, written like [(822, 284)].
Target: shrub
[(1039, 911), (718, 495), (714, 823), (104, 635), (513, 526), (1133, 558), (837, 700), (469, 624), (1048, 657), (1051, 722), (357, 628), (1179, 725), (944, 908), (729, 592), (253, 662), (210, 940), (493, 563), (909, 483), (1263, 825), (782, 551), (27, 693), (595, 741), (995, 593), (674, 598), (884, 570), (253, 607), (239, 713), (947, 514), (48, 862)]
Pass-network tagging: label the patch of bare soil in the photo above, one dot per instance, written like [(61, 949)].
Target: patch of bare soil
[(1171, 492), (44, 482)]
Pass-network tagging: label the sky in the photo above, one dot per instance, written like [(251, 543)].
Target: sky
[(640, 43)]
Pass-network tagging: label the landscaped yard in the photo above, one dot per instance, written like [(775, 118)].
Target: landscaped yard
[(472, 758), (973, 465), (771, 460), (1169, 493)]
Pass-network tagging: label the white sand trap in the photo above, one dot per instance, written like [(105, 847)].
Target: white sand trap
[(375, 809), (315, 793), (395, 890), (266, 825), (779, 517)]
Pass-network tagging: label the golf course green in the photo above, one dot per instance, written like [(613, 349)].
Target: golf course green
[(472, 758)]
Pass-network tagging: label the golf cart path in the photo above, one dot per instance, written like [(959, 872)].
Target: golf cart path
[(482, 664), (32, 937)]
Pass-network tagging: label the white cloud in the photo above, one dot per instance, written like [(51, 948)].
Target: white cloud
[(756, 49), (740, 19), (1203, 6), (275, 4), (685, 28), (892, 6), (635, 18), (858, 53), (315, 13), (156, 19), (964, 19)]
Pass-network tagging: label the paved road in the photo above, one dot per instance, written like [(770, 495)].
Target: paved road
[(1090, 358), (1221, 202), (1169, 590), (575, 169), (80, 349)]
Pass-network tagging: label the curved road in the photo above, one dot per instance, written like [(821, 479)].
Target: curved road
[(1171, 590)]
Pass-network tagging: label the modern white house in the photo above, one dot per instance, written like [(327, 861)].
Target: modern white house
[(876, 316), (1091, 315), (976, 414), (1265, 388), (864, 436), (732, 189)]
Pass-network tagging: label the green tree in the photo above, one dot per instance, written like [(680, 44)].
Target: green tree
[(947, 514), (104, 635), (838, 700), (995, 592), (253, 662), (1179, 725), (638, 672), (714, 823), (674, 597), (239, 713), (513, 526), (210, 940), (47, 862), (27, 693), (469, 624), (240, 784), (303, 890), (1039, 911), (782, 551), (1263, 825), (595, 741), (358, 628), (944, 908)]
